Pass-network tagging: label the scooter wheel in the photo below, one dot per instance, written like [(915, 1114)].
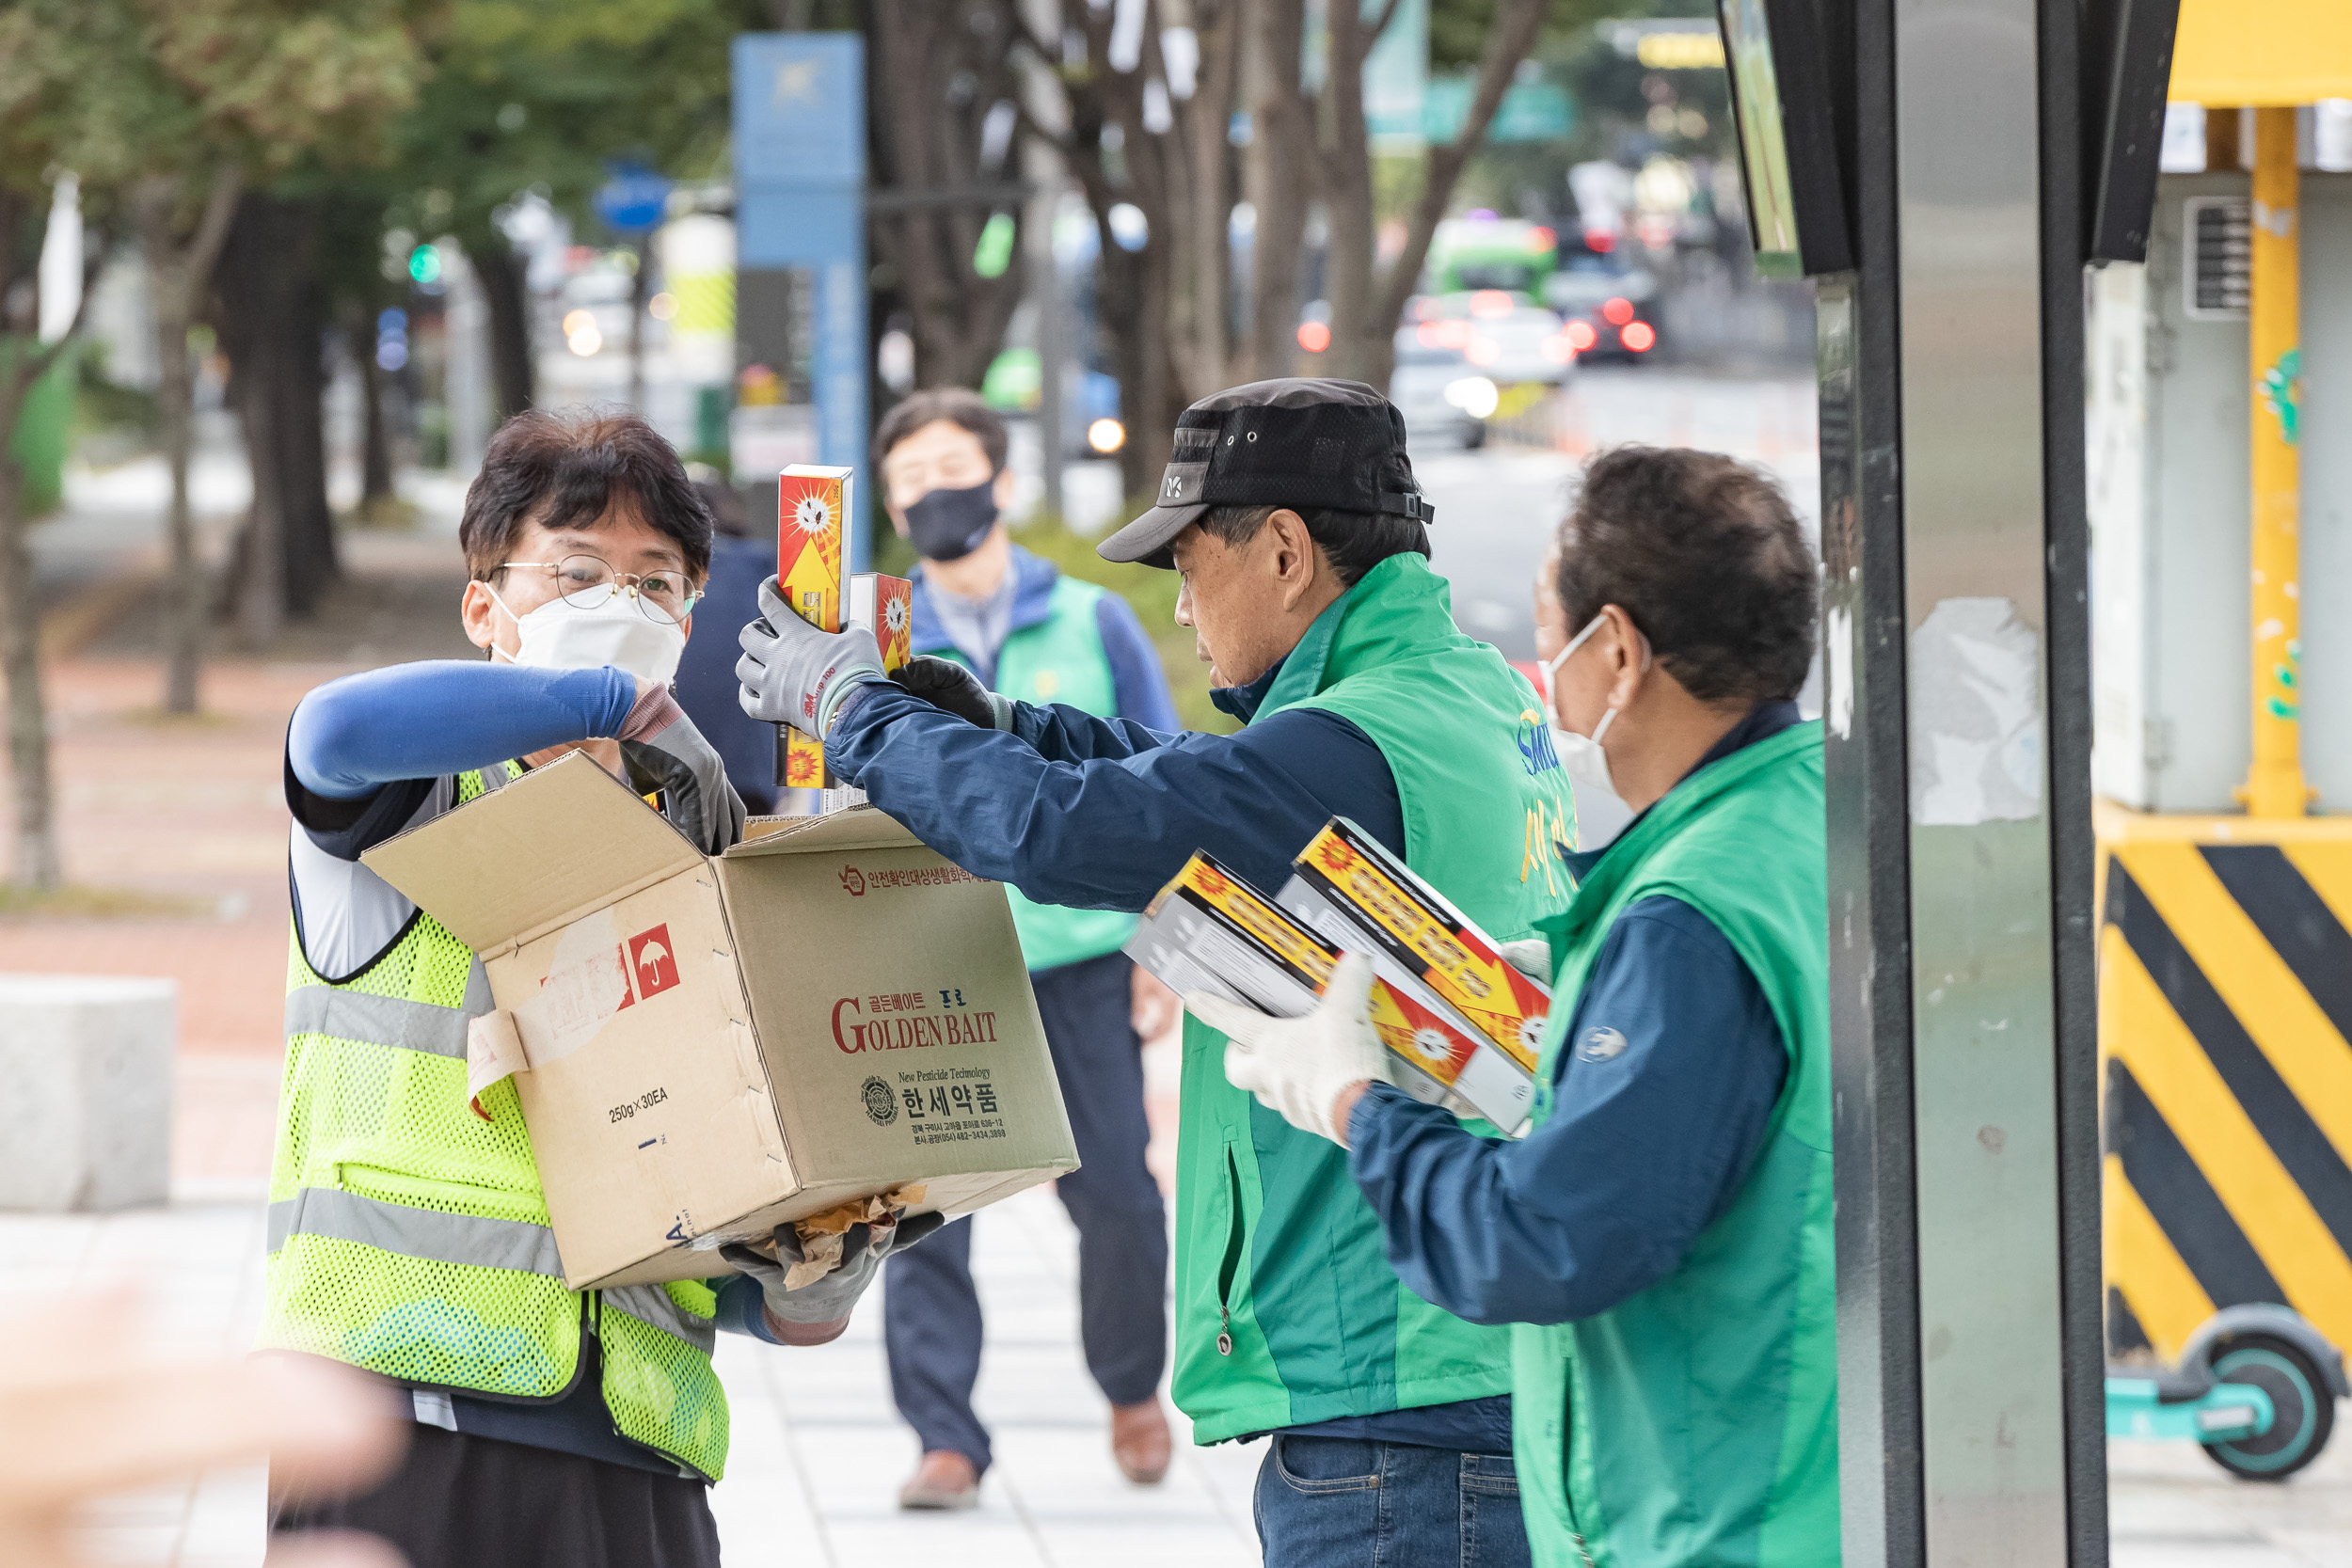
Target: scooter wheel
[(2305, 1407)]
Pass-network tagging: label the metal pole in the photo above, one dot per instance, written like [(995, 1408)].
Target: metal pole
[(2275, 787), (1968, 1345), (1053, 330)]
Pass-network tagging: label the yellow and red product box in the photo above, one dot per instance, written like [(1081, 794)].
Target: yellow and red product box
[(813, 511), (1346, 870), (1210, 930), (885, 606)]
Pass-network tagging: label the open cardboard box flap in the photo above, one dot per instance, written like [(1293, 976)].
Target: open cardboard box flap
[(856, 827), (523, 859), (828, 1010)]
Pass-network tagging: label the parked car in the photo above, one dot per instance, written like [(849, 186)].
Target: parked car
[(1607, 302), (1443, 398), (1503, 336)]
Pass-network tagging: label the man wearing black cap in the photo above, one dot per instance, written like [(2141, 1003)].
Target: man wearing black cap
[(1292, 512)]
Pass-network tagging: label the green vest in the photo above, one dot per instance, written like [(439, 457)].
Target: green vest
[(1060, 659), (1695, 1424), (1287, 1311), (408, 1231)]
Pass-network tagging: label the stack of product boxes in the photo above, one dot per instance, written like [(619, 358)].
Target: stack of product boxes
[(1463, 1026)]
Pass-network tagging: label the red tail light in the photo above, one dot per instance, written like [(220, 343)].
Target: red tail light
[(1580, 336), (1313, 337), (1638, 335), (1617, 312)]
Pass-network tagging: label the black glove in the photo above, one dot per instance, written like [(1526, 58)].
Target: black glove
[(828, 1299), (952, 688)]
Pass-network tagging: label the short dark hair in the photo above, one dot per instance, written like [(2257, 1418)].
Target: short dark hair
[(1353, 542), (957, 405), (1704, 553), (567, 467)]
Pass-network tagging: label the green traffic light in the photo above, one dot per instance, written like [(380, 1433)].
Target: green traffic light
[(424, 265)]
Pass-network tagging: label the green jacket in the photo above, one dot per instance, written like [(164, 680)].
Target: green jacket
[(1695, 1424), (1055, 654), (1286, 1309)]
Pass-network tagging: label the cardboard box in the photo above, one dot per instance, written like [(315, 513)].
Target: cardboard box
[(813, 510), (1210, 930), (716, 1045)]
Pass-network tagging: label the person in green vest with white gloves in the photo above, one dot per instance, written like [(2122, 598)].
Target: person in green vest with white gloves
[(1664, 1237), (1292, 513), (985, 603), (408, 1235)]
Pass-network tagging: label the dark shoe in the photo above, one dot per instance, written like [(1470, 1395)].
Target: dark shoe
[(943, 1480), (1139, 1441)]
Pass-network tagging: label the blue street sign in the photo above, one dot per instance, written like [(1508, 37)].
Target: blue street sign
[(631, 201), (799, 170)]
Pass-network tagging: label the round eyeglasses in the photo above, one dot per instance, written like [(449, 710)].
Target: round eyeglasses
[(586, 582)]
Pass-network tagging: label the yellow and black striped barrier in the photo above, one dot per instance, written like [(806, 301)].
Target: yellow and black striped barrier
[(2225, 1032)]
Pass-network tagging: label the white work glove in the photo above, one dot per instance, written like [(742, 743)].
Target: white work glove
[(792, 673), (1300, 1067), (1530, 956)]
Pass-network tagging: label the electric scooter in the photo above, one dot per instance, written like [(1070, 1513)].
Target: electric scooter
[(2256, 1387)]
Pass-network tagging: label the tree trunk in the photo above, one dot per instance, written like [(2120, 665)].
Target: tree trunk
[(1281, 174), (175, 400), (37, 864), (505, 290), (1510, 38), (271, 320), (375, 441), (178, 272), (260, 566), (1348, 283)]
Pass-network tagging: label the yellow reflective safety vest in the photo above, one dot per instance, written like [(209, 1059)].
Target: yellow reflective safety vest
[(408, 1231)]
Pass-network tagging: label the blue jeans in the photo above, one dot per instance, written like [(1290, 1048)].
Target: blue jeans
[(1338, 1502)]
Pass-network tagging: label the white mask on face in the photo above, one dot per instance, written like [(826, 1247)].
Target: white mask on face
[(618, 632), (1602, 814)]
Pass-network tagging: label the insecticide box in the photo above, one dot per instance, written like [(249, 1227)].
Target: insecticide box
[(885, 606), (812, 506), (706, 1047), (1210, 930), (1345, 870)]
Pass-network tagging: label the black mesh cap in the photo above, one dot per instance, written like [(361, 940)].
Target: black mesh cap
[(1298, 442)]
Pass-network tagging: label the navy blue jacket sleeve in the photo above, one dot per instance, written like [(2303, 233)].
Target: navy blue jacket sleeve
[(1663, 1096), (1099, 814), (437, 717), (1138, 686)]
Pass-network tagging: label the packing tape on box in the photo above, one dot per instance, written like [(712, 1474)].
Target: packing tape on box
[(587, 984)]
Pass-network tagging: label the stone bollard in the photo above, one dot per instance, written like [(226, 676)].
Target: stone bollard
[(86, 1068)]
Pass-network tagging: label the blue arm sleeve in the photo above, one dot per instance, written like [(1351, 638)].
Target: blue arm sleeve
[(1107, 832), (445, 715), (1138, 686), (1664, 1093), (740, 1307)]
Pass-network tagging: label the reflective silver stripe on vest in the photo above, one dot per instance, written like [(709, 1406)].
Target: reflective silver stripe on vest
[(392, 1020), (426, 1233), (651, 1304)]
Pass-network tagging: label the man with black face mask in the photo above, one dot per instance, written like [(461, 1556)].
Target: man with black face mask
[(1035, 635)]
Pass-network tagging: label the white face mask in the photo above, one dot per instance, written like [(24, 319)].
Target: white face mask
[(618, 632), (1602, 814)]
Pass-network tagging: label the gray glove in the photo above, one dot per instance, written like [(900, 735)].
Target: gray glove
[(952, 688), (792, 673), (831, 1298)]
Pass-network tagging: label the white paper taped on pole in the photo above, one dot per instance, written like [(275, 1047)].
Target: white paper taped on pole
[(1976, 715)]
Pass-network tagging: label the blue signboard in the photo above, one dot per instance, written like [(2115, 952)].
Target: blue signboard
[(631, 201), (800, 171)]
